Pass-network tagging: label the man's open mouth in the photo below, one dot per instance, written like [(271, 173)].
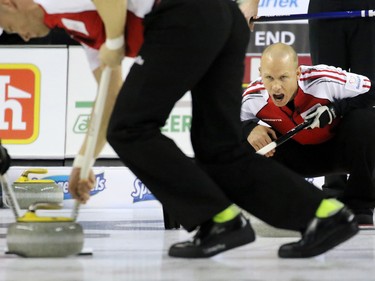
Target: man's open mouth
[(278, 97)]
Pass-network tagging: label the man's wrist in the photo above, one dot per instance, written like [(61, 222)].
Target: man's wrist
[(115, 43)]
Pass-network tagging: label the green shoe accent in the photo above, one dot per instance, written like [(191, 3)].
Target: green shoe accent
[(228, 214), (328, 207)]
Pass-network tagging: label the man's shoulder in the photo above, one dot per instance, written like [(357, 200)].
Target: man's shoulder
[(321, 71), (318, 76), (255, 87)]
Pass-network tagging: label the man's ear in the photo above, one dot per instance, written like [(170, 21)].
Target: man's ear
[(299, 71)]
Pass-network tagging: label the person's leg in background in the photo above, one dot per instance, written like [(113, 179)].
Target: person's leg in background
[(323, 49), (356, 138), (360, 39), (352, 49), (361, 45), (336, 53)]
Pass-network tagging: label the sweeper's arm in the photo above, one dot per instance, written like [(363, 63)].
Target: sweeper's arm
[(113, 15), (79, 189)]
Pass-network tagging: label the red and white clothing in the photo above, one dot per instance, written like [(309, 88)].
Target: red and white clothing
[(319, 84), (81, 20)]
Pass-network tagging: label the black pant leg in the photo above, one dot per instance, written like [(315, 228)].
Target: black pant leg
[(357, 138), (346, 37), (182, 39), (351, 151), (323, 49)]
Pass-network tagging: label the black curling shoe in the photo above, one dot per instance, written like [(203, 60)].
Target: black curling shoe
[(213, 238), (322, 235)]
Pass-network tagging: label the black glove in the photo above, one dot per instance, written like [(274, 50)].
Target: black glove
[(322, 116), (4, 160)]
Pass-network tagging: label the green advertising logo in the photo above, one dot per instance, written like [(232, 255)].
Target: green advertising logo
[(82, 121), (176, 123)]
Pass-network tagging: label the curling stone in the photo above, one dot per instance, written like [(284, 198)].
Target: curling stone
[(29, 191), (38, 236)]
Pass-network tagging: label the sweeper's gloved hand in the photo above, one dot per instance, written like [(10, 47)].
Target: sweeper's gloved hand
[(322, 116), (4, 160)]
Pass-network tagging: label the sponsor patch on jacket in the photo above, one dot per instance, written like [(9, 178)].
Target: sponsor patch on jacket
[(272, 120), (353, 82)]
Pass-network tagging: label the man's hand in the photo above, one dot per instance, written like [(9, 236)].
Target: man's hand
[(80, 189), (260, 136), (4, 160), (322, 116)]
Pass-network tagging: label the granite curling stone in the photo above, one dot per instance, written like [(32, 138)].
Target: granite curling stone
[(29, 191), (38, 236)]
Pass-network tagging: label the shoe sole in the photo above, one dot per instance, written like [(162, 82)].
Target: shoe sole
[(236, 239), (328, 244), (366, 227)]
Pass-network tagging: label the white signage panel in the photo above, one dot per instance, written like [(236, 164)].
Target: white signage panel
[(82, 89), (33, 102)]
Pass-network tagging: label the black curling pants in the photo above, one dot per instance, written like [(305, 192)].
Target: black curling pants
[(200, 45), (348, 43), (351, 151)]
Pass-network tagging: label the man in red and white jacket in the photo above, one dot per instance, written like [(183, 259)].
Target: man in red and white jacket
[(79, 18), (341, 137), (82, 21)]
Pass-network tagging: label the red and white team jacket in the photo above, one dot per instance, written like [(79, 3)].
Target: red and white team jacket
[(319, 84), (81, 21)]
